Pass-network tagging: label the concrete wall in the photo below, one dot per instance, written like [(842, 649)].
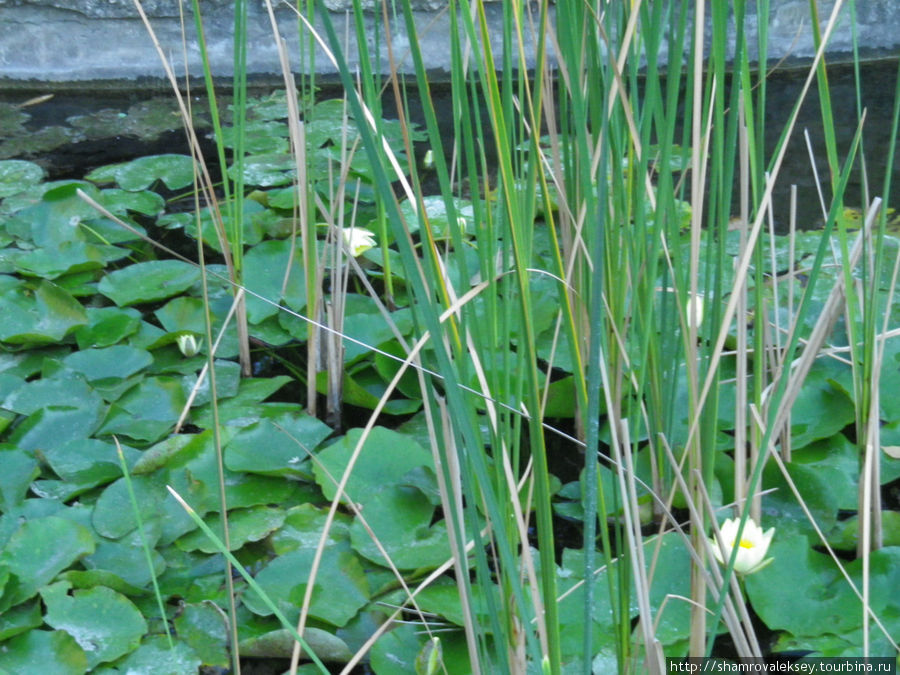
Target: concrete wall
[(43, 42)]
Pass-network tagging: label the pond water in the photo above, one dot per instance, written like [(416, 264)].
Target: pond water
[(73, 132)]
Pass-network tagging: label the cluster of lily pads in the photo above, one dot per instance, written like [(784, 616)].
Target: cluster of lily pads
[(100, 411)]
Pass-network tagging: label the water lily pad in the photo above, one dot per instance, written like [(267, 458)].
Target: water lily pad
[(20, 619), (20, 468), (104, 623), (266, 170), (145, 202), (266, 266), (277, 446), (228, 378), (176, 171), (203, 628), (57, 424), (821, 410), (302, 528), (115, 362), (16, 175), (148, 410), (244, 525), (107, 326), (43, 316), (55, 651), (38, 551), (280, 644), (65, 389), (400, 518), (113, 515), (156, 657), (341, 587), (385, 458), (148, 281), (86, 460), (820, 594), (125, 558)]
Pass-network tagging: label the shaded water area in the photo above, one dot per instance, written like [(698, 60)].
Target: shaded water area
[(75, 131)]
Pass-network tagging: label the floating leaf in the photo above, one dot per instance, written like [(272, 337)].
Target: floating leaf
[(118, 361), (400, 518), (107, 326), (203, 628), (155, 657), (39, 550), (385, 458), (176, 171), (125, 558), (16, 175), (104, 623), (148, 281), (278, 446), (280, 644), (19, 469), (57, 424), (56, 652), (265, 268), (244, 525), (20, 619), (341, 587), (44, 316), (147, 411)]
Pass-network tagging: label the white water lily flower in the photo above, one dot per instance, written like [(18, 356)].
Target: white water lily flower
[(358, 240), (752, 548), (188, 344), (694, 311)]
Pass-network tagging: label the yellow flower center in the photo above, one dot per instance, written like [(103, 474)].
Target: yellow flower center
[(745, 543)]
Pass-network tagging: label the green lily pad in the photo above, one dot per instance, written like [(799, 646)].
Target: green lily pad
[(114, 516), (117, 361), (176, 171), (104, 623), (107, 326), (55, 651), (148, 410), (156, 657), (86, 460), (302, 528), (385, 458), (125, 558), (265, 267), (16, 175), (280, 643), (44, 316), (20, 619), (203, 628), (819, 592), (266, 170), (341, 587), (228, 379), (279, 446), (20, 468), (145, 202), (56, 425), (821, 410), (148, 281), (244, 525), (400, 518), (38, 551), (65, 389)]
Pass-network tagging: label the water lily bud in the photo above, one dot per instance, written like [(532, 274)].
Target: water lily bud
[(694, 311), (188, 344), (358, 240), (752, 548), (428, 160)]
